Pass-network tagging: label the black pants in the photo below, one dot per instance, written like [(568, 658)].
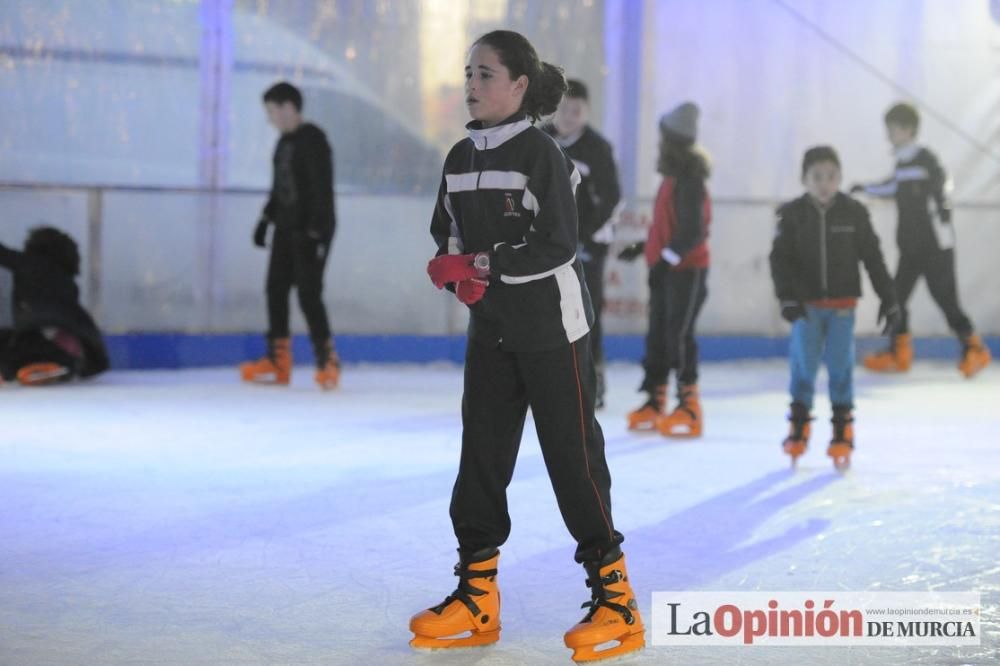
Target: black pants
[(938, 268), (593, 275), (21, 348), (298, 261), (675, 300), (558, 385)]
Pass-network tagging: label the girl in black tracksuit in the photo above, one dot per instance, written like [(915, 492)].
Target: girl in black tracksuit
[(505, 226)]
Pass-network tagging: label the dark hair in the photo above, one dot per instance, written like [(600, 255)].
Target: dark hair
[(683, 158), (283, 92), (577, 89), (546, 83), (819, 154), (56, 246), (903, 114)]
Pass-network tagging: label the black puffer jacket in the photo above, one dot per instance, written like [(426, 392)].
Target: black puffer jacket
[(816, 252)]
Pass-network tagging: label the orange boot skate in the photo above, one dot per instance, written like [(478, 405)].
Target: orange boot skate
[(273, 368), (798, 432), (975, 356), (41, 374), (469, 616), (645, 417), (842, 444), (613, 615), (686, 419), (327, 367), (897, 358)]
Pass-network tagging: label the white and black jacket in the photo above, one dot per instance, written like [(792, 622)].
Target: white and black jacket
[(509, 190), (920, 187), (598, 194)]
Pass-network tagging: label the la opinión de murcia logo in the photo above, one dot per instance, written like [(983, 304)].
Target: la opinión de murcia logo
[(730, 620), (714, 618)]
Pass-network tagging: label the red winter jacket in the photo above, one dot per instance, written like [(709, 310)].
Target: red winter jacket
[(681, 217)]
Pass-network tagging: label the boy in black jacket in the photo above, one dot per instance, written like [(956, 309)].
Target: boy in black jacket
[(926, 240), (597, 196), (54, 339), (820, 239), (301, 211)]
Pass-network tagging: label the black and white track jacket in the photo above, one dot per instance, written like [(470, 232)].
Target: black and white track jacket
[(509, 190), (598, 194), (920, 187)]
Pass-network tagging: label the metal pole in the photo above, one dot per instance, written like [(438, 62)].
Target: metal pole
[(623, 41), (95, 220)]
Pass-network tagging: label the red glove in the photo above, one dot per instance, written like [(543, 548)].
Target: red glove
[(452, 268), (471, 291)]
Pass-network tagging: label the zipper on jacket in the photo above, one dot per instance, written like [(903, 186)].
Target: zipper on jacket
[(822, 250)]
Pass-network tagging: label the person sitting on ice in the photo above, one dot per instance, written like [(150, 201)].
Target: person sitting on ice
[(820, 239), (54, 339)]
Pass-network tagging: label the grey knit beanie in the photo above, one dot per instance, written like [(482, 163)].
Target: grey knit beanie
[(681, 122)]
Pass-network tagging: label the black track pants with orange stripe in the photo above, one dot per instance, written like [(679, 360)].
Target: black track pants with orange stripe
[(559, 386)]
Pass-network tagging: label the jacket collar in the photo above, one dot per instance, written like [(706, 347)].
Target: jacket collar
[(493, 137), (815, 205), (567, 141), (907, 152)]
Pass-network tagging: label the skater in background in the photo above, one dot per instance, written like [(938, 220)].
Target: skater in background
[(677, 256), (300, 216), (506, 232), (926, 238), (597, 196), (53, 339), (820, 239)]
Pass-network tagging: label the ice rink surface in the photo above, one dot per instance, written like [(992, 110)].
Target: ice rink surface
[(181, 518)]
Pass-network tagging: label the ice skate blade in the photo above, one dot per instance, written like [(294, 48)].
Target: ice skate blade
[(642, 426), (679, 425), (841, 454), (970, 371), (328, 379), (689, 433), (626, 647), (643, 431), (886, 369), (266, 380), (795, 450), (480, 639), (42, 374)]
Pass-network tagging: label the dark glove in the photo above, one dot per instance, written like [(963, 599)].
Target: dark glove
[(260, 232), (471, 291), (893, 316), (792, 311), (857, 188), (633, 251)]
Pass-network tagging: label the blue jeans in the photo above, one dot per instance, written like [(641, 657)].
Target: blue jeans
[(826, 333)]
